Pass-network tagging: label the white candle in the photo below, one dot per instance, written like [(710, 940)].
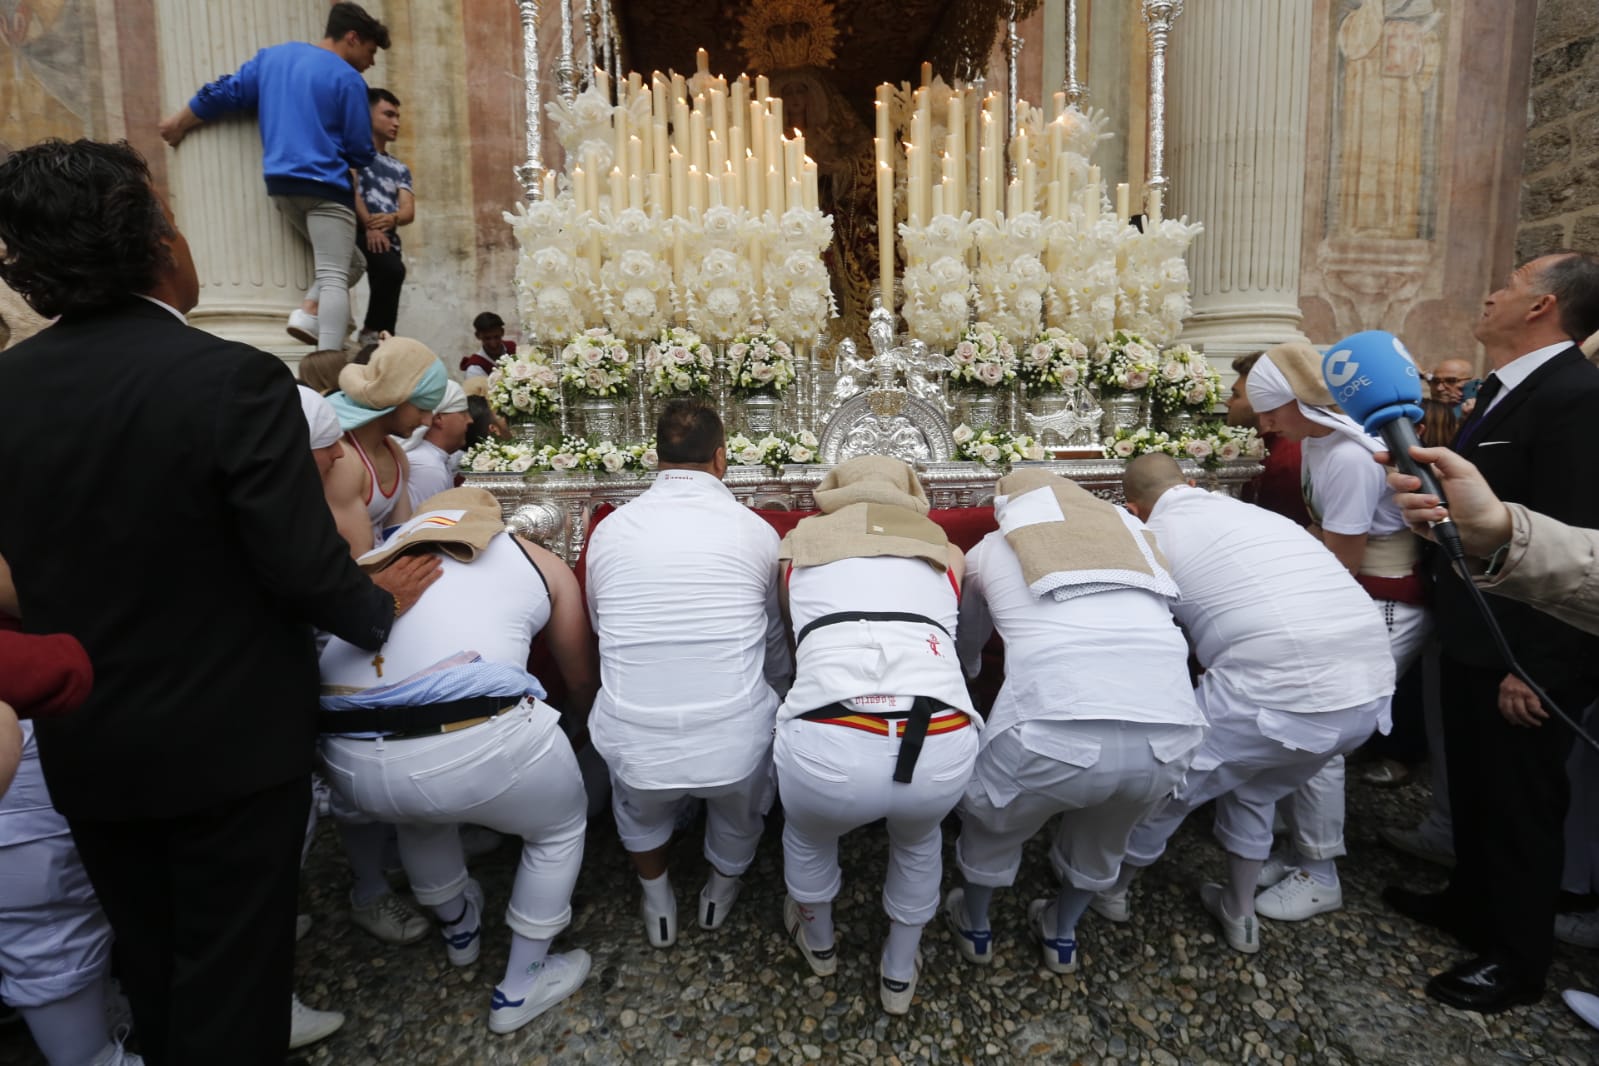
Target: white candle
[(679, 184), (549, 185), (752, 184), (885, 233), (696, 141), (1154, 199), (579, 189), (955, 150), (774, 190), (1123, 202), (635, 191)]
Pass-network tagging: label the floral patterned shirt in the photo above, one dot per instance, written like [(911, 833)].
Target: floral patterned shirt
[(380, 188)]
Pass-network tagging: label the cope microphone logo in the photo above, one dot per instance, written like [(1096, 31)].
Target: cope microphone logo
[(1343, 375)]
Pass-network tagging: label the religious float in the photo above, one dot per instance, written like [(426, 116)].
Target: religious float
[(1020, 313)]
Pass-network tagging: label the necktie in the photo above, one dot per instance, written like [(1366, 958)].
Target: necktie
[(1485, 399)]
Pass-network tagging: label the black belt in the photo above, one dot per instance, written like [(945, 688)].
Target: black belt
[(420, 720), (867, 616), (921, 712)]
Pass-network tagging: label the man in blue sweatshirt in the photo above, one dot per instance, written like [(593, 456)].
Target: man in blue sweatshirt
[(315, 129)]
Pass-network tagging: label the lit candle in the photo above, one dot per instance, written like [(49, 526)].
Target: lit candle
[(680, 126), (774, 190), (635, 156), (1013, 198), (719, 113), (660, 150), (763, 89), (985, 185), (913, 204), (793, 152), (729, 183), (955, 149), (679, 184), (716, 157), (1052, 200), (813, 193), (635, 191), (752, 184), (618, 188), (1154, 199), (1029, 186), (1123, 202), (885, 233), (579, 188), (635, 84), (702, 63), (757, 133), (739, 97), (796, 193), (927, 74), (549, 185), (620, 132), (696, 141)]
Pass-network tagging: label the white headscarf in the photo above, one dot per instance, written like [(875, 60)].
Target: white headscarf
[(320, 418), (1269, 389)]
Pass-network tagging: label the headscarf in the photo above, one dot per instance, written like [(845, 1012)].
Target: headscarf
[(871, 506), (402, 370), (454, 400), (320, 418), (1292, 372)]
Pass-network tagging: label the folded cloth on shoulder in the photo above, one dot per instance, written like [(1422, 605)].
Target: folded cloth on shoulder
[(1072, 543), (459, 522), (43, 676), (871, 506), (459, 677), (1292, 372), (401, 370)]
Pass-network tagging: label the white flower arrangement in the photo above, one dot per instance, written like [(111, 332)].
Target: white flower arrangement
[(799, 294), (759, 364), (1131, 443), (524, 386), (983, 358), (994, 447), (554, 284), (584, 128), (636, 280), (937, 282), (1152, 281), (1055, 362), (1213, 443), (772, 450), (1012, 281), (491, 456), (718, 295), (678, 362), (1083, 279), (595, 363), (1124, 361), (1185, 382)]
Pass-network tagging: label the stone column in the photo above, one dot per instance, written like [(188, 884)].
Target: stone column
[(253, 267), (1239, 86)]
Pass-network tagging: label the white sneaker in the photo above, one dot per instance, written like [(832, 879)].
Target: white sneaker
[(1058, 954), (464, 947), (307, 1026), (822, 961), (114, 1055), (1274, 869), (1241, 934), (559, 977), (897, 995), (974, 945), (390, 919), (713, 912), (303, 327), (302, 926), (1111, 906), (1297, 897), (660, 927), (1579, 929), (1584, 1004)]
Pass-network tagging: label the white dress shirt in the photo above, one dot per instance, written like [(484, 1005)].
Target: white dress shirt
[(1522, 367), (1114, 655), (1347, 492), (1269, 608), (432, 471), (682, 590)]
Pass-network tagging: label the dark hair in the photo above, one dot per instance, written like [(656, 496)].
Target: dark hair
[(688, 431), (320, 370), (1573, 280), (482, 418), (487, 320), (1243, 364), (81, 226), (346, 17), (374, 95), (364, 356)]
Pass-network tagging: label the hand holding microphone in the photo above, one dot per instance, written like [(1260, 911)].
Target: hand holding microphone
[(1481, 518)]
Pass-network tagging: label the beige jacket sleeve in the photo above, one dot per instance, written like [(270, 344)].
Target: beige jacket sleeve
[(1551, 566)]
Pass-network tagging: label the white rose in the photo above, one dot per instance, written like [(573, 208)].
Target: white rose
[(737, 351), (483, 462), (1172, 371), (720, 224), (1068, 375), (1197, 394), (1137, 379), (544, 376), (1124, 449), (521, 371), (521, 399), (801, 454), (650, 459), (947, 272), (1136, 352), (1034, 451), (988, 453), (562, 461), (1199, 448), (1041, 353), (945, 230), (614, 461), (631, 224), (1228, 451), (807, 438), (763, 372), (639, 303), (521, 464), (990, 373), (723, 303), (962, 434), (750, 456), (682, 382), (965, 352), (595, 378)]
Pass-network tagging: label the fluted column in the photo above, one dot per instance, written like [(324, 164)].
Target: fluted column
[(253, 268), (1240, 80)]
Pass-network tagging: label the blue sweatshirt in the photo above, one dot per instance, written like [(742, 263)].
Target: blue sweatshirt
[(315, 121)]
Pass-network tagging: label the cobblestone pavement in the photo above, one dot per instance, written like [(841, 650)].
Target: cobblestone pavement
[(1342, 988)]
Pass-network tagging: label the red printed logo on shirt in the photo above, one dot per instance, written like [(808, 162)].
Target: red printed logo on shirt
[(932, 643)]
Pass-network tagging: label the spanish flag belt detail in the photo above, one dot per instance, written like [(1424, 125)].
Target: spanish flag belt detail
[(895, 727)]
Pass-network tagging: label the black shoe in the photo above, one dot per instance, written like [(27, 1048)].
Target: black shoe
[(1436, 909), (1485, 986)]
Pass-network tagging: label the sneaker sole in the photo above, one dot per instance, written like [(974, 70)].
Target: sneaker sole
[(312, 1036), (510, 1021), (1109, 912), (302, 336), (1326, 909)]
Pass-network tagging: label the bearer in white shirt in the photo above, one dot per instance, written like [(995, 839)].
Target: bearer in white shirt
[(436, 453), (682, 590), (1297, 671)]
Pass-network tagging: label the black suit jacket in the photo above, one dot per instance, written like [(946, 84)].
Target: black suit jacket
[(1538, 446), (159, 502)]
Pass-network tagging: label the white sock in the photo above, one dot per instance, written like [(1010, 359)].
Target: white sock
[(816, 925), (1325, 871), (978, 897), (458, 914), (899, 952), (71, 1029), (1069, 907), (719, 887), (523, 968), (658, 892)]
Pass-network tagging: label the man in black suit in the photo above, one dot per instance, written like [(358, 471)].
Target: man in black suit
[(160, 504), (1532, 435)]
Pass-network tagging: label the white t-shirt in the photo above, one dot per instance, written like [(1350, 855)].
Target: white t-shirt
[(432, 472), (682, 590), (1113, 655), (1268, 605), (1345, 491)]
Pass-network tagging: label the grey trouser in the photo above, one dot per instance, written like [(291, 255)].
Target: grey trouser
[(330, 230)]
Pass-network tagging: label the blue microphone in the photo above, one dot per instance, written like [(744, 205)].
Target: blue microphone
[(1374, 379)]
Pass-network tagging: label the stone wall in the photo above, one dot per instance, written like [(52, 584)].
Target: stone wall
[(1560, 173)]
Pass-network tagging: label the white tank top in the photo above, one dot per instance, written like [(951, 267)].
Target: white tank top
[(494, 606), (864, 660), (378, 503)]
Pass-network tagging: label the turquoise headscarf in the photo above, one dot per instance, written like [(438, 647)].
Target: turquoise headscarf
[(401, 370)]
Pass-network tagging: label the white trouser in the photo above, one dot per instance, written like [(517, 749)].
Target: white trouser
[(834, 778), (1315, 813), (54, 938), (1246, 773), (1101, 777), (1581, 874), (735, 814), (514, 773)]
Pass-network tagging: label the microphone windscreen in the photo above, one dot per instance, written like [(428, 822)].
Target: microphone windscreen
[(1373, 378)]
